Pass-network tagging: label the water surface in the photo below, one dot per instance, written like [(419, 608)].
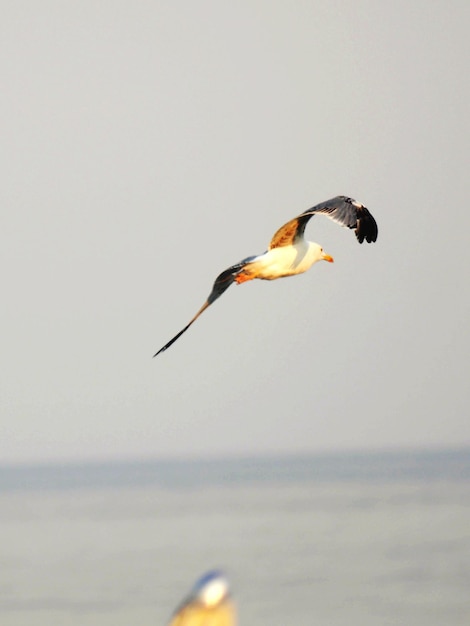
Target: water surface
[(340, 539)]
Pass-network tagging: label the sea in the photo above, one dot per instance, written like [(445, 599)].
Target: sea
[(338, 539)]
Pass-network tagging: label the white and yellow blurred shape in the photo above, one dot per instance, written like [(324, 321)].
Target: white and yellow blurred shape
[(208, 603)]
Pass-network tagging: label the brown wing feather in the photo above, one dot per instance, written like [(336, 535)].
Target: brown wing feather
[(290, 232), (285, 235)]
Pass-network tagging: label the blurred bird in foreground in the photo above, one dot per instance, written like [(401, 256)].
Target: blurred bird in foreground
[(208, 603), (289, 253)]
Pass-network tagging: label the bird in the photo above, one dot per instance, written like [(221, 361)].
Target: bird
[(289, 253), (209, 603)]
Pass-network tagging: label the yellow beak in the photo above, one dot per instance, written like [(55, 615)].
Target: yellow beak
[(327, 257)]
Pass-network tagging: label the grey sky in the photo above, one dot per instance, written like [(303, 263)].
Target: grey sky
[(147, 146)]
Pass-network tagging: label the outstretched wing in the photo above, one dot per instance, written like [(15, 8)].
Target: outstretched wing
[(342, 210), (221, 284), (350, 213)]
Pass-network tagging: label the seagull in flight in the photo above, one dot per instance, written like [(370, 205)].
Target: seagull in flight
[(208, 603), (289, 253)]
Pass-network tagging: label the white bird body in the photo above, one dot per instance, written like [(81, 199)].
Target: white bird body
[(285, 261), (289, 253)]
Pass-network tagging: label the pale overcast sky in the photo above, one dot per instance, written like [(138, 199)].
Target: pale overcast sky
[(146, 146)]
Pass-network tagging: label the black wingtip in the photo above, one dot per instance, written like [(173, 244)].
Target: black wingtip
[(172, 341), (366, 228)]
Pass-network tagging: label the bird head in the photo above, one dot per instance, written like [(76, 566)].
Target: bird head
[(319, 254)]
